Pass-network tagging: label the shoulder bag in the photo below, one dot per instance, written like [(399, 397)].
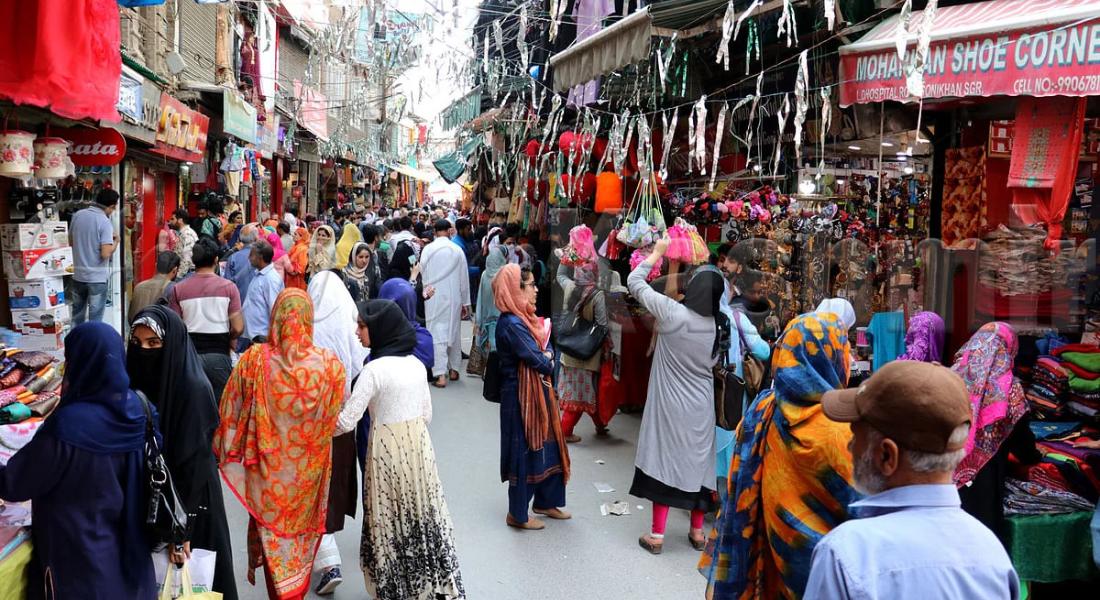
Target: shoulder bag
[(579, 337), (730, 389), (166, 519)]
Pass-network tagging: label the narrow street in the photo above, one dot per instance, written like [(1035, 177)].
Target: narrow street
[(568, 559)]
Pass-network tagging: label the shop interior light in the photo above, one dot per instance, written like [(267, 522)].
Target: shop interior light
[(908, 170), (902, 156), (806, 187), (887, 145), (857, 148), (840, 182), (909, 151), (756, 168)]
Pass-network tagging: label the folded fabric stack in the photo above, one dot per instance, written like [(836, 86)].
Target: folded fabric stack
[(1032, 498), (1082, 365), (1049, 385), (30, 384), (1065, 465)]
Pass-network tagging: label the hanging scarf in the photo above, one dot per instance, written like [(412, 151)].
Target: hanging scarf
[(777, 512), (348, 239), (278, 414), (334, 324), (996, 398), (924, 339), (322, 254)]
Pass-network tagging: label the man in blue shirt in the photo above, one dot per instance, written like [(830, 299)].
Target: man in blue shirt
[(262, 292), (238, 268), (910, 538), (94, 241)]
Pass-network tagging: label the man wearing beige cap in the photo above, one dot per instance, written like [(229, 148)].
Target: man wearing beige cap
[(909, 537)]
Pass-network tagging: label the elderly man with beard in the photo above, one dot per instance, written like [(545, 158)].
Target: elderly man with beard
[(909, 538)]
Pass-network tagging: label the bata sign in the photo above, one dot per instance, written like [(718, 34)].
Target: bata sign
[(181, 132), (103, 147), (1034, 62)]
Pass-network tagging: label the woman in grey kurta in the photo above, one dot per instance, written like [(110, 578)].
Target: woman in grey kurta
[(674, 466)]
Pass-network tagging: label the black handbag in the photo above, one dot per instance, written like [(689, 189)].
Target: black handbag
[(578, 337), (729, 390), (491, 389), (167, 522)]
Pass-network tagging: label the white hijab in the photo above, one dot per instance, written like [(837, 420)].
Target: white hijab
[(841, 308), (335, 319)]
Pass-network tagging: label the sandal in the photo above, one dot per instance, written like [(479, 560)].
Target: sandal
[(652, 547), (529, 525), (439, 384), (699, 545), (454, 375), (602, 432), (572, 439), (554, 513)]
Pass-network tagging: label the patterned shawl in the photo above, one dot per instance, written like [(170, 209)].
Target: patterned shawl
[(274, 445), (790, 479), (924, 339), (996, 398)]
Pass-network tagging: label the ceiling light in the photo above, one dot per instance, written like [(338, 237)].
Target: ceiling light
[(887, 145), (854, 148)]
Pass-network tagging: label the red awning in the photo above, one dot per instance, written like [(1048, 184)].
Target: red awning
[(999, 47)]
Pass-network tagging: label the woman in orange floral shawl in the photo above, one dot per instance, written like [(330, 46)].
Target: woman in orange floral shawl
[(274, 445), (299, 259)]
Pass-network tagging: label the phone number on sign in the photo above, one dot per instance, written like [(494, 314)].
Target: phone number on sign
[(1058, 85)]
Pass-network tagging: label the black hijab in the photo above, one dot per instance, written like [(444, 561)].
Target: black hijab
[(704, 298), (173, 379), (390, 332)]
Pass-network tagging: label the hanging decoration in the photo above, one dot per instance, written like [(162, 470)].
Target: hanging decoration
[(669, 132), (752, 47), (557, 10), (728, 22), (719, 129), (485, 54), (801, 85), (498, 36), (698, 136), (665, 60), (787, 25), (830, 14), (901, 32), (781, 118), (914, 70), (521, 38), (826, 123), (748, 11), (752, 115)]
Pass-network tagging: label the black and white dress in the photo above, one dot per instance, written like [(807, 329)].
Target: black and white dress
[(408, 549)]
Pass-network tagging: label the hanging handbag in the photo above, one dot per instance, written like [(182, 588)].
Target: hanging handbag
[(491, 388), (166, 519), (729, 392), (476, 364), (578, 337), (753, 370)]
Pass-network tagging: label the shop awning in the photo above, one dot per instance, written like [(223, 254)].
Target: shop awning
[(461, 111), (625, 42), (415, 173), (994, 48)]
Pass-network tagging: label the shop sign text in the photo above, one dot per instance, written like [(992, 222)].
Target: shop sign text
[(181, 131)]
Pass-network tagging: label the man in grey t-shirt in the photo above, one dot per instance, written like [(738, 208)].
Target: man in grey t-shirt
[(94, 241)]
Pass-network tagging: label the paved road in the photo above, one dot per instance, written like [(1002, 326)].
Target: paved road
[(590, 556)]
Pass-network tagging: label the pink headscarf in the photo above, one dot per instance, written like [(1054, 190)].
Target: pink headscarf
[(276, 243), (996, 398)]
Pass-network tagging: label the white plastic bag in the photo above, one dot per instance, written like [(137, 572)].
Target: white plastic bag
[(201, 566)]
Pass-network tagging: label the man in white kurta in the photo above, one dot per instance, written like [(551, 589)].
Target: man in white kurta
[(443, 268)]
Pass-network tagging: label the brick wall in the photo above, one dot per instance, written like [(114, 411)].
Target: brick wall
[(198, 26)]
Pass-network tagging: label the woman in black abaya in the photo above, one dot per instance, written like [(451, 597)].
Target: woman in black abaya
[(163, 364)]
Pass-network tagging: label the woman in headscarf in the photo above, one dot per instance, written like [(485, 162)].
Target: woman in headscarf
[(280, 259), (999, 425), (359, 272), (486, 313), (84, 473), (674, 466), (334, 319), (924, 338), (274, 444), (231, 231), (578, 380), (322, 251), (348, 239), (533, 457), (840, 307), (299, 260), (791, 476), (404, 294), (408, 548), (162, 364)]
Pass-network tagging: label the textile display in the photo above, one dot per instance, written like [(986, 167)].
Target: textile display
[(1051, 548), (963, 195), (888, 337), (12, 569)]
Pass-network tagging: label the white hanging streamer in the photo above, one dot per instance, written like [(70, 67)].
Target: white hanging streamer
[(521, 37), (700, 140), (752, 114), (748, 11), (830, 14), (498, 36), (728, 22), (645, 152), (787, 24), (901, 32), (485, 54), (666, 141), (781, 117), (914, 70), (733, 111), (719, 129), (665, 60), (625, 150), (826, 123), (801, 85), (557, 9)]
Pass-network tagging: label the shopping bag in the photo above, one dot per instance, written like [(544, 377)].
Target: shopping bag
[(200, 573), (476, 364), (180, 579)]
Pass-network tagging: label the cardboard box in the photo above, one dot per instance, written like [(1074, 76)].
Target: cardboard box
[(36, 264), (45, 342), (34, 236), (36, 293), (41, 320)]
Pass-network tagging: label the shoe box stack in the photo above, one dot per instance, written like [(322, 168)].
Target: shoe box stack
[(37, 257)]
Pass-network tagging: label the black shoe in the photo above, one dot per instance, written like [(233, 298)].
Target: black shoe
[(465, 356), (329, 582)]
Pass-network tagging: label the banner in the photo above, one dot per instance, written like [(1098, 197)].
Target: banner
[(313, 110), (129, 96), (1040, 61), (238, 116), (181, 132)]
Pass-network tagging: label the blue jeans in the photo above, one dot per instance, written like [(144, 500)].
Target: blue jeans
[(90, 297)]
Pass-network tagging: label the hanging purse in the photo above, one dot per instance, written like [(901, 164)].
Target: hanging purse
[(167, 522), (491, 388)]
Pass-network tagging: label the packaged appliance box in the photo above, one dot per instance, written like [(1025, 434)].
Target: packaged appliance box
[(34, 236), (36, 293), (45, 342), (41, 320), (36, 264)]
